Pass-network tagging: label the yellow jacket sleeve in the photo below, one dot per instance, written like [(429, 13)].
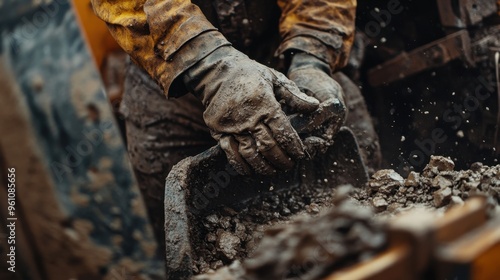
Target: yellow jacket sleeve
[(323, 28), (155, 34)]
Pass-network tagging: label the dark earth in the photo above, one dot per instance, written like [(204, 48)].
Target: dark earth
[(353, 217)]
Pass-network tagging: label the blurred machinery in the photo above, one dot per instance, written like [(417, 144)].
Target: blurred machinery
[(433, 66), (78, 209)]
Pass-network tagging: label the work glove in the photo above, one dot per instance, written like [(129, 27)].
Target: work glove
[(243, 111), (313, 77)]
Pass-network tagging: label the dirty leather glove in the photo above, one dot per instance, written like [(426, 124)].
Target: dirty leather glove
[(243, 111), (313, 77)]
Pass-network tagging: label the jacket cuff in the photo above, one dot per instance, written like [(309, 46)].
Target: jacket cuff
[(325, 46), (177, 61)]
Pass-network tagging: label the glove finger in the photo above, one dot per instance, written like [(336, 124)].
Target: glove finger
[(248, 150), (326, 89), (270, 149), (286, 90), (230, 147), (316, 83), (283, 132), (302, 82)]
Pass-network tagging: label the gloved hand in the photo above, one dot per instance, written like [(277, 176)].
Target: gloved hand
[(243, 113), (313, 77)]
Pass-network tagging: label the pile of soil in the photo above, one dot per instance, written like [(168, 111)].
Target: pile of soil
[(311, 247), (226, 235), (438, 186), (230, 236)]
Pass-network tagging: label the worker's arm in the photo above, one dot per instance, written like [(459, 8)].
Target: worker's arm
[(155, 33), (172, 38), (318, 35), (323, 28)]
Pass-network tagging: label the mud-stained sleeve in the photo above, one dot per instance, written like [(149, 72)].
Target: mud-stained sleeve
[(323, 28), (165, 37)]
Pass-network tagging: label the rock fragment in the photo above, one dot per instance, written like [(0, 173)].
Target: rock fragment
[(413, 179), (394, 207), (211, 237), (313, 208), (225, 222), (216, 265), (441, 182), (438, 164), (212, 219), (385, 181), (379, 203), (476, 166), (442, 197), (227, 243)]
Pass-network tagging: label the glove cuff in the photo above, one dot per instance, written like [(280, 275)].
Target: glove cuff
[(203, 77), (304, 60), (304, 67), (325, 48), (188, 55)]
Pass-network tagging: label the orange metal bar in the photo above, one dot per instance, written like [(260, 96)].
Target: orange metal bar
[(96, 33)]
